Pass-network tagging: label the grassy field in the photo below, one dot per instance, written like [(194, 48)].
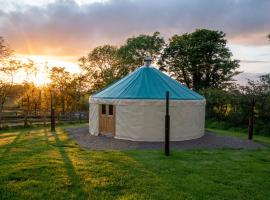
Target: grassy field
[(39, 164), (242, 134), (224, 128)]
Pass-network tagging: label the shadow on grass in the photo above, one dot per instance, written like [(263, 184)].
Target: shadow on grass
[(7, 135), (46, 137), (25, 145), (74, 178), (11, 145)]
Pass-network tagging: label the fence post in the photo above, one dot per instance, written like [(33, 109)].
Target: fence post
[(52, 114)]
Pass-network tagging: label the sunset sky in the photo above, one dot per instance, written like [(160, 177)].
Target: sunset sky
[(60, 31)]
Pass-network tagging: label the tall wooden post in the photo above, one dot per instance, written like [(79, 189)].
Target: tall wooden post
[(251, 120), (52, 114), (167, 127)]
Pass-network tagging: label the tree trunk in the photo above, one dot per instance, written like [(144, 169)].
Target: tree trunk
[(2, 102), (25, 119), (186, 78), (44, 119), (35, 109), (26, 112), (251, 120), (80, 117), (1, 112), (63, 107), (52, 120)]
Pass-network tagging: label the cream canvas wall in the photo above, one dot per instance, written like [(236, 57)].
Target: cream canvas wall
[(143, 120)]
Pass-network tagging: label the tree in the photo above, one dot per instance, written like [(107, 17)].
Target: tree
[(78, 94), (29, 67), (8, 66), (238, 106), (200, 59), (133, 52), (30, 100), (5, 51), (101, 66), (45, 103), (60, 80)]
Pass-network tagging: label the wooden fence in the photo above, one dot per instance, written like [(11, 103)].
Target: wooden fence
[(12, 116)]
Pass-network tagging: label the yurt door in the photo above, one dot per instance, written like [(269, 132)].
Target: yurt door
[(107, 119)]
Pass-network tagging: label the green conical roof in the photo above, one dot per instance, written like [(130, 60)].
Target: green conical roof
[(147, 83)]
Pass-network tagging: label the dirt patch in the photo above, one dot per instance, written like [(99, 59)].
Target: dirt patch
[(208, 141)]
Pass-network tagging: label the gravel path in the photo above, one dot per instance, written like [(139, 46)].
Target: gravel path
[(208, 141)]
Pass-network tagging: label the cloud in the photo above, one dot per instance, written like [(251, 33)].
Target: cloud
[(63, 27)]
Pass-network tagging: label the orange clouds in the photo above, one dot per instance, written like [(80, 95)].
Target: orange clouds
[(64, 27)]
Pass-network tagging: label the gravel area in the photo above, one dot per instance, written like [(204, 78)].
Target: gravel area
[(208, 141)]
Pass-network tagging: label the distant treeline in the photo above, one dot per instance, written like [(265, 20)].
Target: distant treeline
[(200, 60), (233, 107)]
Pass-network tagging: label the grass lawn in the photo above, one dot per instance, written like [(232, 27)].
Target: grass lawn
[(257, 138), (38, 164)]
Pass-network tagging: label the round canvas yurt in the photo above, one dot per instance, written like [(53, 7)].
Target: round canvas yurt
[(133, 108)]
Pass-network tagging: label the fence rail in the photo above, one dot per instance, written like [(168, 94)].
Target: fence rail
[(13, 117)]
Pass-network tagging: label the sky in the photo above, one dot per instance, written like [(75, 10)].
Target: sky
[(61, 31)]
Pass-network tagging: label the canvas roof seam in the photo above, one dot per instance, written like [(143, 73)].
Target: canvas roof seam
[(182, 86)]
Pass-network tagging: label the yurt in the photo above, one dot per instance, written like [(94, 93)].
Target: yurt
[(133, 108)]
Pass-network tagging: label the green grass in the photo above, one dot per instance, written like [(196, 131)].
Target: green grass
[(265, 140), (38, 164), (20, 125)]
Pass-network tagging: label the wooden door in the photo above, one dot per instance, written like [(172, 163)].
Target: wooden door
[(107, 119), (102, 118)]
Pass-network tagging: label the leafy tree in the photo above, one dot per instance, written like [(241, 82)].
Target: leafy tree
[(30, 101), (101, 66), (60, 80), (78, 94), (69, 92), (217, 103), (260, 90), (200, 59), (4, 91), (29, 67), (133, 52), (45, 103), (106, 64), (265, 83), (234, 106), (8, 66)]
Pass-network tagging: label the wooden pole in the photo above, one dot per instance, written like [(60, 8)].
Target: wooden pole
[(251, 120), (167, 127), (52, 114)]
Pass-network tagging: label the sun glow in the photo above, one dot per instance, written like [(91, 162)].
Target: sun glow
[(44, 64)]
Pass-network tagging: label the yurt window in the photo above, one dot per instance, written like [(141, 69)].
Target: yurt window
[(110, 109), (103, 109)]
